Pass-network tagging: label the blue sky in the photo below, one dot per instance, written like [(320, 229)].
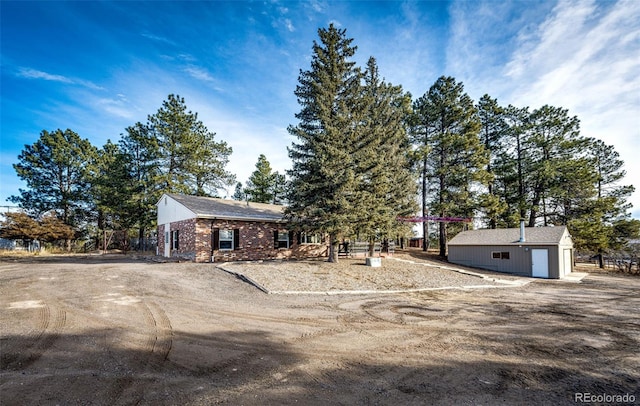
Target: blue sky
[(98, 67)]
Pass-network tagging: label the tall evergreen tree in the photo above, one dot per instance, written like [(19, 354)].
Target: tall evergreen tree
[(190, 160), (141, 151), (386, 188), (599, 220), (421, 130), (509, 167), (323, 174), (552, 141), (113, 189), (493, 132), (261, 182), (457, 159), (206, 167), (56, 171), (279, 188), (265, 185)]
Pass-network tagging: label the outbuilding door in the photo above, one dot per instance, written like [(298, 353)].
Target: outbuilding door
[(568, 262), (540, 263)]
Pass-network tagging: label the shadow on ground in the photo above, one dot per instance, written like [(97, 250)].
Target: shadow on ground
[(251, 367)]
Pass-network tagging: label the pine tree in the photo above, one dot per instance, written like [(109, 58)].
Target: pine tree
[(206, 167), (553, 139), (279, 188), (386, 186), (493, 131), (56, 170), (509, 167), (190, 160), (600, 221), (239, 193), (112, 189), (457, 159), (323, 179), (141, 151), (260, 186), (421, 130)]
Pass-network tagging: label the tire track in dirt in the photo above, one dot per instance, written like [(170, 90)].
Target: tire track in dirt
[(28, 348), (162, 337), (155, 350)]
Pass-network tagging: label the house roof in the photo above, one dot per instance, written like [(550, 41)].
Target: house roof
[(213, 208), (507, 236)]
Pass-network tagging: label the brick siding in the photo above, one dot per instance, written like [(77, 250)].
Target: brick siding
[(256, 241), (186, 239)]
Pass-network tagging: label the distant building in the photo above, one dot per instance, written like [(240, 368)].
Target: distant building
[(539, 252)]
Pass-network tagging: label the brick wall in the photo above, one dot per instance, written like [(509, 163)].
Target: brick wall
[(256, 242), (186, 239), (161, 239)]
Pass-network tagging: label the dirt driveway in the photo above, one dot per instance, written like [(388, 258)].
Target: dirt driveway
[(116, 331)]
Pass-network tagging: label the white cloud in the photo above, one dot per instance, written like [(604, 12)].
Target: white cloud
[(36, 74), (119, 106), (199, 73), (586, 57), (316, 5), (158, 38), (289, 25), (30, 73)]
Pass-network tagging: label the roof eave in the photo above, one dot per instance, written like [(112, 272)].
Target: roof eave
[(240, 218), (504, 243)]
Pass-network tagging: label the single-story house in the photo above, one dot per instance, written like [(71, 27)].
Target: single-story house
[(540, 252), (205, 229)]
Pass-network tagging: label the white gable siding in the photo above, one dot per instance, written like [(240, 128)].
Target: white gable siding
[(170, 211)]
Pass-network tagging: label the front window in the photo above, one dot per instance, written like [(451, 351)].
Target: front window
[(283, 239), (226, 239), (307, 238)]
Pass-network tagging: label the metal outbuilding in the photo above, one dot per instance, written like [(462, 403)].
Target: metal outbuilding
[(539, 252)]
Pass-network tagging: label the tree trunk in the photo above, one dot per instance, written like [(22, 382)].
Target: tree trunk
[(443, 239), (425, 224), (534, 208), (142, 244), (333, 248)]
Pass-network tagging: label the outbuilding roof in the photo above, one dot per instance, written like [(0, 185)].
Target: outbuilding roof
[(210, 208), (507, 236)]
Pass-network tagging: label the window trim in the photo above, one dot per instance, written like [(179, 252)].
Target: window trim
[(500, 255), (304, 237), (175, 239), (226, 239), (283, 237)]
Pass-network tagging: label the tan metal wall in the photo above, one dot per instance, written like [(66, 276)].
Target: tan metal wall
[(519, 262)]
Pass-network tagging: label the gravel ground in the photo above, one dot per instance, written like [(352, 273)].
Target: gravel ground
[(117, 330), (397, 274)]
